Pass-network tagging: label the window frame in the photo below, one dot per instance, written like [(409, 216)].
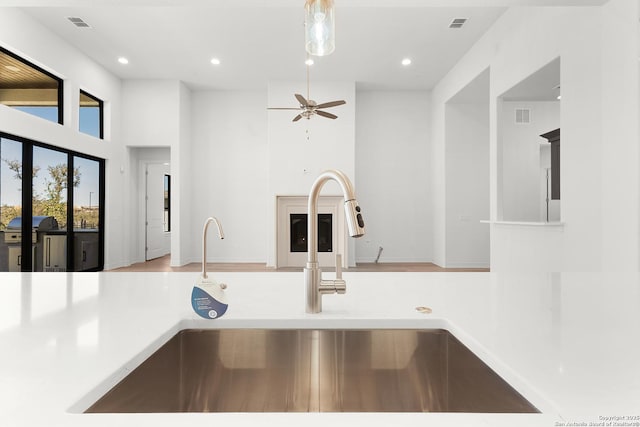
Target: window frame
[(48, 74), (100, 113), (27, 202)]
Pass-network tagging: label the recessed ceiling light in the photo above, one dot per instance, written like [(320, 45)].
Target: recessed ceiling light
[(123, 60), (406, 61), (215, 61), (12, 68), (309, 61), (559, 97)]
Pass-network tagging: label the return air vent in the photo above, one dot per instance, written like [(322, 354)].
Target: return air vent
[(78, 22), (523, 116), (457, 22)]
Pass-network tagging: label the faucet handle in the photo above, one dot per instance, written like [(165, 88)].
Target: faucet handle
[(337, 286)]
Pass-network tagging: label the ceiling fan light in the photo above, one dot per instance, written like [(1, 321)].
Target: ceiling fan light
[(319, 27)]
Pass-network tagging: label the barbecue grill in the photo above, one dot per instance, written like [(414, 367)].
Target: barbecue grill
[(40, 225)]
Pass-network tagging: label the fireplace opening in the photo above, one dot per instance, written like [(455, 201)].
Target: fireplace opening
[(298, 232)]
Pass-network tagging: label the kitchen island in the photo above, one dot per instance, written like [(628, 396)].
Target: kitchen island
[(569, 343)]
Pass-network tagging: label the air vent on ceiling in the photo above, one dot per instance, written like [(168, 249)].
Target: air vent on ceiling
[(457, 22), (78, 22), (523, 116)]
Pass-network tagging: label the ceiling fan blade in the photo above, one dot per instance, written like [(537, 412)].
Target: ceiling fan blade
[(301, 100), (331, 104), (282, 108), (296, 118), (325, 114)]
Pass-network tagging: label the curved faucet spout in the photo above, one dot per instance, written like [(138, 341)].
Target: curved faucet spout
[(355, 223), (204, 241), (314, 284)]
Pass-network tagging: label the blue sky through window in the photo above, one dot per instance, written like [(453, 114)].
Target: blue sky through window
[(89, 117), (90, 121), (47, 113)]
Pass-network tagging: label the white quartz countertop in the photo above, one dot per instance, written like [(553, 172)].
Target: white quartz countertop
[(569, 343)]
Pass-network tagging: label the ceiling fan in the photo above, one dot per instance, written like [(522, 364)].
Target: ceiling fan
[(309, 107)]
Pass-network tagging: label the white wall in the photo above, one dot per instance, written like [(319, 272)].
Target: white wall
[(620, 137), (392, 172), (152, 110), (298, 152), (157, 114), (467, 184), (521, 158), (27, 38), (228, 174), (182, 181), (521, 42)]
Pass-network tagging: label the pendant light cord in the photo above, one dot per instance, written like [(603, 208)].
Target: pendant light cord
[(308, 66)]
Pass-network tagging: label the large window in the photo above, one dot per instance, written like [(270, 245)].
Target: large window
[(27, 87), (58, 206), (91, 115)]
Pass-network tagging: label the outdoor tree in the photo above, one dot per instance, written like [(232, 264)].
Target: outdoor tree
[(51, 203), (7, 213), (16, 167)]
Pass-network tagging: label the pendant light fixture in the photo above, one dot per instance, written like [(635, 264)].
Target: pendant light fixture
[(319, 27)]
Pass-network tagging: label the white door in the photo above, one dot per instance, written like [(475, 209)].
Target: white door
[(155, 234)]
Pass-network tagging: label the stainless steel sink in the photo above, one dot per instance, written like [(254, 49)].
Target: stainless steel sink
[(249, 370)]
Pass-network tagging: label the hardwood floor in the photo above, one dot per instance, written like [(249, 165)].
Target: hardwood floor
[(163, 264)]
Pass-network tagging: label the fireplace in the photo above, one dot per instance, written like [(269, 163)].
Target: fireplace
[(298, 232), (291, 231)]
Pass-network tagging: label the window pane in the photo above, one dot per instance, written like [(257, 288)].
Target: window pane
[(49, 198), (53, 245), (86, 218), (90, 115), (25, 87), (47, 113), (10, 203)]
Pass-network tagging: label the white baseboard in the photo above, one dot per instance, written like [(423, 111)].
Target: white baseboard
[(232, 260), (391, 260), (467, 265)]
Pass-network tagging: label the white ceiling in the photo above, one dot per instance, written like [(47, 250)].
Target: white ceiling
[(262, 40)]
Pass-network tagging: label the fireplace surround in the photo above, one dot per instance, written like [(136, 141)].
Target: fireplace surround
[(291, 219)]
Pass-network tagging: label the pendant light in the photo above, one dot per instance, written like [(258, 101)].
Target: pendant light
[(319, 27)]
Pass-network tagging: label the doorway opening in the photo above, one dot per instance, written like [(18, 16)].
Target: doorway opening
[(157, 210)]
